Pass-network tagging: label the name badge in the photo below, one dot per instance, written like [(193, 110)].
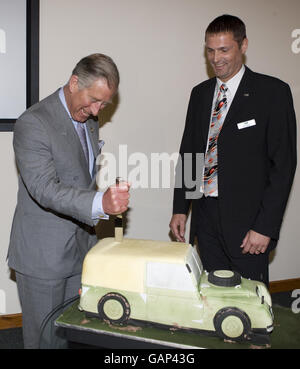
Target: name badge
[(248, 123)]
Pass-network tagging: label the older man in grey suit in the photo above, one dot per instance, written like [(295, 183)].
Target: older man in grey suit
[(56, 145)]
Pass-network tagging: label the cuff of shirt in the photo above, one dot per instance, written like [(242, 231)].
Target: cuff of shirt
[(97, 209)]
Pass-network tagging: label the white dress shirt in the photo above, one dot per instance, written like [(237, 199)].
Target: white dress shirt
[(232, 86)]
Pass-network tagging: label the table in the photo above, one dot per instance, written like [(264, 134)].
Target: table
[(93, 331)]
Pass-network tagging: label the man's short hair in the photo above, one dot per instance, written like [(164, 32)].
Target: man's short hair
[(228, 23), (94, 67)]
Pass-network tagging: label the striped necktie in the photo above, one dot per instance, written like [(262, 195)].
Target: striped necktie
[(82, 137), (211, 156)]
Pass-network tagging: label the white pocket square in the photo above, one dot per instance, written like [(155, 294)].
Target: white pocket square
[(246, 124), (100, 144)]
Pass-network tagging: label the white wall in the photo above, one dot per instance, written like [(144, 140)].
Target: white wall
[(9, 302), (158, 47)]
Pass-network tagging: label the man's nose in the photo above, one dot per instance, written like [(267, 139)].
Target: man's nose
[(95, 107), (216, 56)]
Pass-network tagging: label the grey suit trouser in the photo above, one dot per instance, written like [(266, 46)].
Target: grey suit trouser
[(39, 299)]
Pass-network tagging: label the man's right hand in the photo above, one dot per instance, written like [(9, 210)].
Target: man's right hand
[(116, 199), (177, 226)]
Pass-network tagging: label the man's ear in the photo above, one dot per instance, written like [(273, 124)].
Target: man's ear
[(73, 83), (244, 45)]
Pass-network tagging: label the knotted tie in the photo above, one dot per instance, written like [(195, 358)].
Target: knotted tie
[(211, 156), (82, 137)]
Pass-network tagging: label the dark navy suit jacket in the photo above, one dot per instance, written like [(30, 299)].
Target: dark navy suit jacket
[(256, 165)]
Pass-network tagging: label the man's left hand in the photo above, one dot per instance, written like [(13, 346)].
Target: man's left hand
[(255, 243)]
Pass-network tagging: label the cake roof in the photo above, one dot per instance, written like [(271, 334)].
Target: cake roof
[(121, 265)]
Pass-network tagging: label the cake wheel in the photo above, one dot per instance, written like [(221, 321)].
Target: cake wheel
[(232, 323), (224, 278), (114, 308)]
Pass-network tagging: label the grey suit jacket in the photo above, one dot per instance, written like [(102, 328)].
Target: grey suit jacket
[(54, 207)]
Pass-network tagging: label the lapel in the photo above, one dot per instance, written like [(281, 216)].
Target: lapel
[(242, 98), (207, 100), (93, 132)]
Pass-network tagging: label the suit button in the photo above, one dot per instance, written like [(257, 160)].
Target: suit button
[(75, 178)]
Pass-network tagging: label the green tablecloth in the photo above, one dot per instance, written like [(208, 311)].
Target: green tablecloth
[(286, 332)]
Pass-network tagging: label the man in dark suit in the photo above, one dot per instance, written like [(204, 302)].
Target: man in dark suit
[(244, 124), (56, 145)]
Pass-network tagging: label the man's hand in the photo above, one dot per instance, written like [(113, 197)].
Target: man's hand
[(255, 243), (177, 226), (116, 198)]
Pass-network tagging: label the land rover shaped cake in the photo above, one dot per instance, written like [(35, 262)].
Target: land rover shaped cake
[(164, 283)]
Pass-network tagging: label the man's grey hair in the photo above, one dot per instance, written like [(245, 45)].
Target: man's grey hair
[(94, 67)]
